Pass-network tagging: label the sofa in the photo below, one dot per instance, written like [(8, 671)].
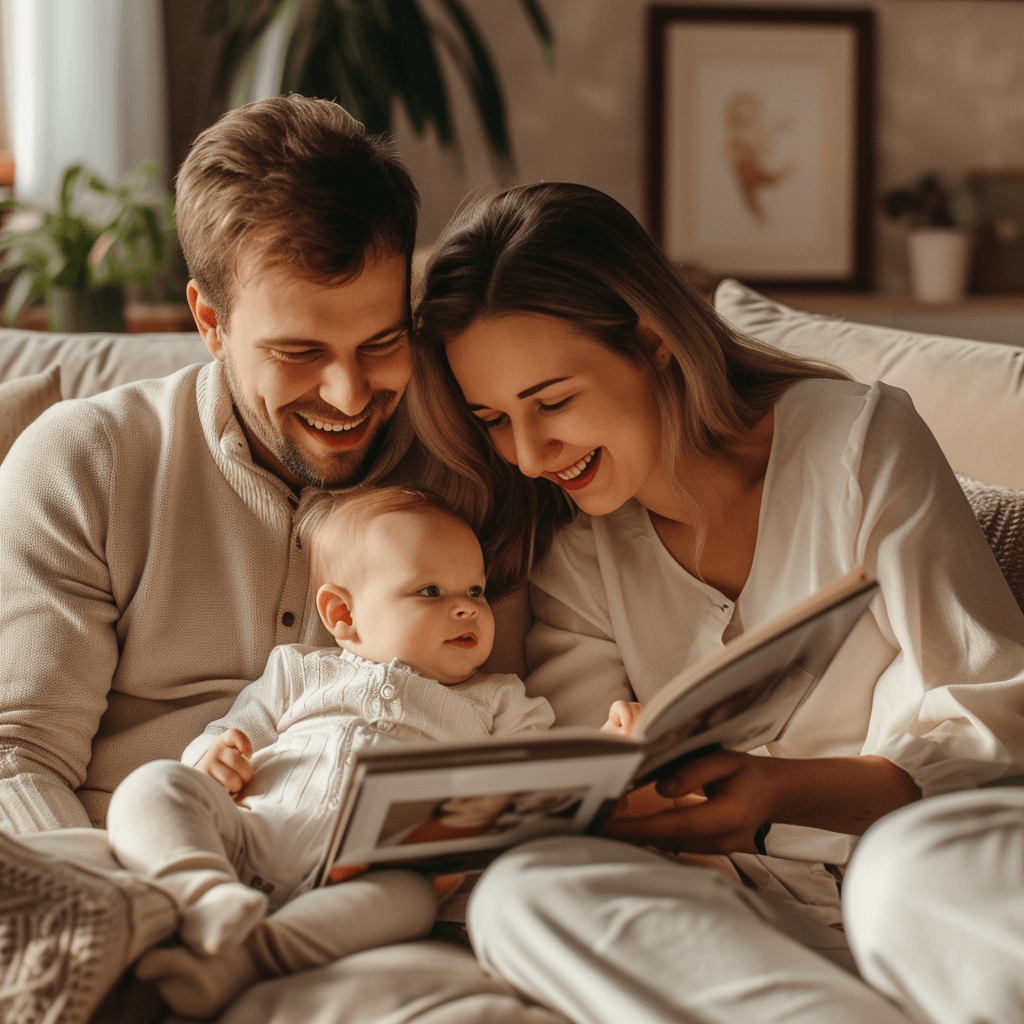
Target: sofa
[(970, 393)]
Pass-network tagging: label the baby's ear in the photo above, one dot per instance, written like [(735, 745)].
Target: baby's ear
[(334, 604)]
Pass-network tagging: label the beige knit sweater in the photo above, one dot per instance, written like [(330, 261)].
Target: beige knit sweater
[(147, 568)]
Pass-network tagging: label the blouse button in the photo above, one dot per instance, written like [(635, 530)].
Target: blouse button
[(387, 691), (288, 619)]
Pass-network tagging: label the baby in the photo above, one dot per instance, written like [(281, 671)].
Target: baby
[(240, 842)]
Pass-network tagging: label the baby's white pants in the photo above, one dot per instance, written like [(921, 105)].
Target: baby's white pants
[(934, 907), (605, 933), (179, 827)]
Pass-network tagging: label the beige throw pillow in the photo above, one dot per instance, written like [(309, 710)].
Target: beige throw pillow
[(22, 400), (970, 393)]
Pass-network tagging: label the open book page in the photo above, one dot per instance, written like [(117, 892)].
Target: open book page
[(746, 694), (449, 807), (453, 816)]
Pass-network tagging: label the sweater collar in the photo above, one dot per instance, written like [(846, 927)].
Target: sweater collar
[(267, 495)]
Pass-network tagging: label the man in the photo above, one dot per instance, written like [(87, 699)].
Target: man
[(148, 561), (150, 571)]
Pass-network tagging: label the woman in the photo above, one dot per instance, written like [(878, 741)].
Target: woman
[(715, 482)]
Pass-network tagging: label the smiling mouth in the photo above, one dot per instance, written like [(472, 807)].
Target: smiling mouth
[(339, 435), (465, 640), (579, 474), (333, 428)]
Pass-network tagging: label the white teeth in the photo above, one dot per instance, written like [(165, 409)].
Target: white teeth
[(576, 468), (335, 427)]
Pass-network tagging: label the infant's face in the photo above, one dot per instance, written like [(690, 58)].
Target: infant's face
[(421, 598)]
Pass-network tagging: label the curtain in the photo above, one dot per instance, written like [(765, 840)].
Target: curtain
[(84, 81)]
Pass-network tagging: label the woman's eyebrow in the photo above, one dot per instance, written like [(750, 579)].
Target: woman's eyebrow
[(540, 387), (529, 391)]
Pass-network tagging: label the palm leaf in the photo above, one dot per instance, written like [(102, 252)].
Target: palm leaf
[(476, 67), (368, 53), (541, 26), (419, 80), (244, 32)]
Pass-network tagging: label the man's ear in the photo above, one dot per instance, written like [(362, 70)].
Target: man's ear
[(334, 604), (206, 320), (660, 352)]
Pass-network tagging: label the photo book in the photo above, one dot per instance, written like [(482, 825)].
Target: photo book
[(449, 807)]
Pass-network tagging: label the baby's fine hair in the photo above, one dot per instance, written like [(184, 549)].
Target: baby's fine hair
[(349, 512)]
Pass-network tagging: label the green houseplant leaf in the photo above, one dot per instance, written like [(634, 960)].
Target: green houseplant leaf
[(368, 54), (100, 237)]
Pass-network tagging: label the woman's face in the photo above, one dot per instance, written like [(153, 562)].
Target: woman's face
[(561, 405)]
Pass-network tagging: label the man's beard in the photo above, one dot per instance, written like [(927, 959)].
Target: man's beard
[(351, 467)]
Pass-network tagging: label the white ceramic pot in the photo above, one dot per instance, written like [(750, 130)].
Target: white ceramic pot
[(939, 261)]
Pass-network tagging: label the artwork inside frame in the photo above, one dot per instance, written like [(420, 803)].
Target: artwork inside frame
[(760, 142)]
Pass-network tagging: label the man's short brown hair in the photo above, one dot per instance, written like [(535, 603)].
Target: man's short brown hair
[(290, 182)]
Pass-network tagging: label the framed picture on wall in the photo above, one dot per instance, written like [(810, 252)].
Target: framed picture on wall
[(760, 142)]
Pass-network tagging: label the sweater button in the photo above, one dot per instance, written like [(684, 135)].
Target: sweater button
[(288, 619), (387, 691)]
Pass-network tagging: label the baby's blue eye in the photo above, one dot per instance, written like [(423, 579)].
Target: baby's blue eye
[(476, 591), (432, 590)]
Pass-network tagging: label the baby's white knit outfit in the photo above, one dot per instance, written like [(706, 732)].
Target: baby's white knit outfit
[(306, 717)]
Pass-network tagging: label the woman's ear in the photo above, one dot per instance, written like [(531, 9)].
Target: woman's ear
[(659, 351), (334, 604)]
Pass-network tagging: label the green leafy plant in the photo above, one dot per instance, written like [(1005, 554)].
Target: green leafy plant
[(100, 238), (366, 54), (930, 203)]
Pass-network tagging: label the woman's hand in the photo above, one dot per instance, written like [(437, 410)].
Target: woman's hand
[(839, 794)]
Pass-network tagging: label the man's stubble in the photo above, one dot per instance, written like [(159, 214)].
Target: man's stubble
[(288, 452)]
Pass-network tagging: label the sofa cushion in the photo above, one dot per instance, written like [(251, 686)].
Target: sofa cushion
[(970, 393), (1000, 512), (91, 363), (22, 400)]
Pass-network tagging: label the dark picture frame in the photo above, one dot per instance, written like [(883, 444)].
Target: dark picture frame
[(760, 143)]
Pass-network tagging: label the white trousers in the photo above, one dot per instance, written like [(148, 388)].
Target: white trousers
[(934, 906), (606, 933), (181, 829), (173, 823)]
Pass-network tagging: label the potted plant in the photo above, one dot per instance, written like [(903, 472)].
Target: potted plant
[(367, 54), (939, 221), (82, 255)]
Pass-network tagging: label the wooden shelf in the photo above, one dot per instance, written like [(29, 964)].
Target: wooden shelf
[(828, 302), (995, 318), (140, 319)]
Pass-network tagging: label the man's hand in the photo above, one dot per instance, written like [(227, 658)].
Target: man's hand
[(622, 717), (227, 762), (838, 794)]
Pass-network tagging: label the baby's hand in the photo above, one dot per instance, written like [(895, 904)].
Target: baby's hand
[(622, 717), (227, 762)]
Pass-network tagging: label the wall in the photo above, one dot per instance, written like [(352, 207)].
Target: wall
[(950, 98)]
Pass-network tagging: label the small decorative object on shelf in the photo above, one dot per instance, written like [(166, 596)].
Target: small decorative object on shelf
[(81, 256), (940, 220)]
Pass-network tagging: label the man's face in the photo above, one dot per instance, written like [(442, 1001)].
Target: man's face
[(315, 371)]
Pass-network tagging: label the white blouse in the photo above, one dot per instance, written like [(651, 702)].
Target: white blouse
[(932, 678)]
